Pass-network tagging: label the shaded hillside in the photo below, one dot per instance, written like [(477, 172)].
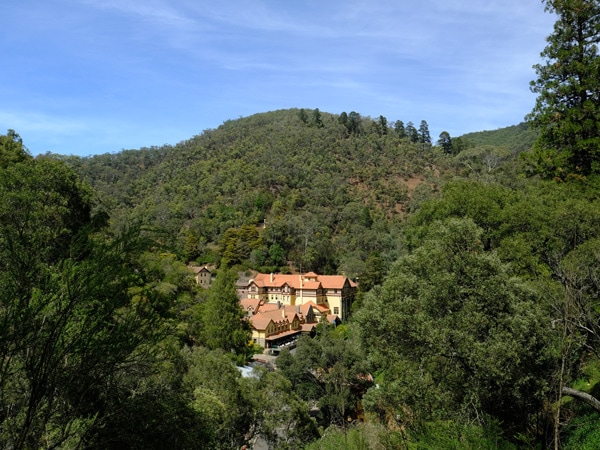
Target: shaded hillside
[(281, 188)]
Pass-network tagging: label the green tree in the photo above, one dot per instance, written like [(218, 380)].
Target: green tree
[(574, 297), (221, 317), (412, 132), (484, 161), (455, 336), (70, 327), (317, 119), (354, 122), (343, 119), (399, 129), (281, 417), (423, 132), (303, 116), (214, 389), (12, 149), (445, 141), (373, 274), (382, 125), (175, 293), (237, 244), (276, 255), (330, 370), (567, 109), (192, 247), (459, 144)]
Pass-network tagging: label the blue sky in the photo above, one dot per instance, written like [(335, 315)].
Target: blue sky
[(86, 77)]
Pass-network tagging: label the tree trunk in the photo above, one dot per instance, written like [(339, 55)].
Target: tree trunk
[(583, 396)]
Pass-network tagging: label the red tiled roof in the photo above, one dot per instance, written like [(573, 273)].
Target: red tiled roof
[(266, 307), (305, 308), (276, 315), (308, 327), (331, 318), (253, 303), (260, 321), (321, 308), (312, 285), (300, 281), (333, 281)]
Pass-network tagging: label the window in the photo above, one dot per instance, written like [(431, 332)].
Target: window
[(336, 310)]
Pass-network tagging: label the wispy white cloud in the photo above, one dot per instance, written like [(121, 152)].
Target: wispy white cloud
[(128, 68), (34, 122), (155, 10)]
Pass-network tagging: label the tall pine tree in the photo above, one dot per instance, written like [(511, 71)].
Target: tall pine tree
[(223, 326), (567, 110)]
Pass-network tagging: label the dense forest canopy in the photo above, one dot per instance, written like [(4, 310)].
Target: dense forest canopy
[(327, 191), (454, 241), (477, 259)]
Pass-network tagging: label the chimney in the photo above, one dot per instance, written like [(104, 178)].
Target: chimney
[(271, 277), (283, 312)]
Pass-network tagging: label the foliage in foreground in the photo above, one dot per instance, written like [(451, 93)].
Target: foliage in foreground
[(432, 436), (489, 313), (455, 336)]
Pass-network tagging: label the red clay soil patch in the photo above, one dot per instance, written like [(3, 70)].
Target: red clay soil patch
[(412, 184)]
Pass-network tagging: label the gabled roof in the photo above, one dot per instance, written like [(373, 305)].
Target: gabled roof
[(253, 303), (333, 281), (278, 314), (306, 281), (310, 285), (321, 308), (308, 327), (306, 307), (261, 320), (334, 319), (198, 269)]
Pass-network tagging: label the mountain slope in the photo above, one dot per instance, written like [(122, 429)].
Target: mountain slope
[(325, 194)]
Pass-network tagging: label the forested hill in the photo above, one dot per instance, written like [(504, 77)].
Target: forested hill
[(477, 261), (330, 188), (517, 138)]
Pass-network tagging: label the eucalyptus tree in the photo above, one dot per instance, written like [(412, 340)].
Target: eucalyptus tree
[(71, 329), (12, 149), (453, 335)]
